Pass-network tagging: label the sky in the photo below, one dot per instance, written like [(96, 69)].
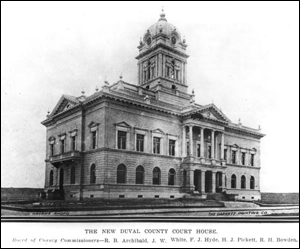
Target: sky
[(244, 57)]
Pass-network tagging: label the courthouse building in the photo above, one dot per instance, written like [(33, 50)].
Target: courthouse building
[(150, 139)]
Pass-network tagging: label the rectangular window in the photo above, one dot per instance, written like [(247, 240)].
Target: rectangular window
[(187, 148), (177, 74), (156, 145), (51, 149), (74, 143), (252, 160), (62, 146), (168, 72), (233, 157), (225, 154), (122, 140), (243, 158), (140, 142), (209, 151), (94, 139), (198, 150), (172, 147)]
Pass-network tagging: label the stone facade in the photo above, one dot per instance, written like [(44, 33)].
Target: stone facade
[(149, 140)]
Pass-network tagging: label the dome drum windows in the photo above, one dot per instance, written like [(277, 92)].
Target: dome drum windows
[(149, 69)]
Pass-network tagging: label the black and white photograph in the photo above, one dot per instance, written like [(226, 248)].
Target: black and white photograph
[(150, 124)]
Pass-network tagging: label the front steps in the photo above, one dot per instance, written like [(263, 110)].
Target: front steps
[(217, 197)]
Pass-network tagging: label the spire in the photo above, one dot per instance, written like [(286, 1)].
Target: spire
[(162, 15)]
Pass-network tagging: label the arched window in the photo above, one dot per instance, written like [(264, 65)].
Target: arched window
[(139, 175), (243, 182), (93, 174), (252, 182), (233, 181), (156, 176), (73, 175), (121, 173), (171, 177), (51, 178)]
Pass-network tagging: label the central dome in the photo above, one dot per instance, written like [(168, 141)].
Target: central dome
[(162, 27)]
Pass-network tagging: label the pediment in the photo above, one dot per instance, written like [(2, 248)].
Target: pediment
[(51, 138), (65, 103), (123, 124), (209, 112), (92, 124), (158, 131)]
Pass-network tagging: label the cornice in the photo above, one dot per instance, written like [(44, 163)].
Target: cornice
[(170, 49)]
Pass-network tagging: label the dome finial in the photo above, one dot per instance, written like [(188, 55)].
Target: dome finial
[(162, 15)]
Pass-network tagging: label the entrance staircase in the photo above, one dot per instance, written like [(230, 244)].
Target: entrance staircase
[(217, 197)]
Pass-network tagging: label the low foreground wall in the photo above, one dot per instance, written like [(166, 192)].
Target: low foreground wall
[(20, 194), (280, 198)]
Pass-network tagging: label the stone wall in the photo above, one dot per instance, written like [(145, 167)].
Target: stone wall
[(280, 198)]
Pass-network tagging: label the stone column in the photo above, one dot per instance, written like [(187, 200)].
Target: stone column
[(203, 181), (212, 144), (223, 182), (190, 179), (222, 146), (213, 182), (191, 140), (183, 147), (202, 143)]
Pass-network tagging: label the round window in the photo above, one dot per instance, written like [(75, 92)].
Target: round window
[(149, 41), (173, 40)]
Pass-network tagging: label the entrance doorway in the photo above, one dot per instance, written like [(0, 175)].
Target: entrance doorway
[(219, 182), (208, 181), (197, 180)]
